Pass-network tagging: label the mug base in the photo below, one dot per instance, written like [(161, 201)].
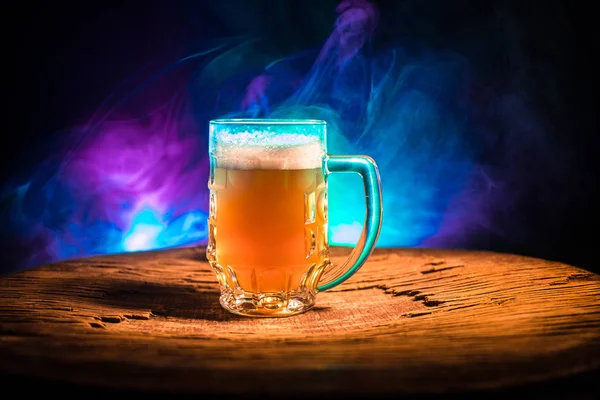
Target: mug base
[(280, 304)]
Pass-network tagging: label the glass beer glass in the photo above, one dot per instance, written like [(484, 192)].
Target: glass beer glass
[(268, 238)]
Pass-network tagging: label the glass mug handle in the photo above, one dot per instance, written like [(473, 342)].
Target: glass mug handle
[(367, 169)]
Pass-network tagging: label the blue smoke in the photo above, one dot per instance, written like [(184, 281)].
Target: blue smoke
[(140, 183)]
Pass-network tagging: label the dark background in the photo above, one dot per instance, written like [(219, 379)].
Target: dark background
[(70, 55)]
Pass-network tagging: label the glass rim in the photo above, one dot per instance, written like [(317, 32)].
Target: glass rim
[(267, 121)]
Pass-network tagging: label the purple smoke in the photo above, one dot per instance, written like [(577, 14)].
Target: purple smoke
[(135, 176)]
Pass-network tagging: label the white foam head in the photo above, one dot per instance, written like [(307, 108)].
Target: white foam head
[(263, 150)]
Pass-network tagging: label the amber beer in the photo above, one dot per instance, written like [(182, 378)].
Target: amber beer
[(268, 221)]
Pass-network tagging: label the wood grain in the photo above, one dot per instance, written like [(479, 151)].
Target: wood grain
[(410, 321)]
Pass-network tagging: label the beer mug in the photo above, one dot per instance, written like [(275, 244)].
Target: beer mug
[(268, 239)]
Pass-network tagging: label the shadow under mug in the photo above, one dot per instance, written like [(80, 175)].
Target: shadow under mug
[(268, 233)]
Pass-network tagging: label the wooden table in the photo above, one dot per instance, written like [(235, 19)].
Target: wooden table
[(412, 321)]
